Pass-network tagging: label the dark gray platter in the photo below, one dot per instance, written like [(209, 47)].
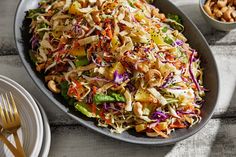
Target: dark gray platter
[(196, 40)]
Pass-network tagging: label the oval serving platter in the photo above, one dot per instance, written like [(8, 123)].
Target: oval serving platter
[(196, 40)]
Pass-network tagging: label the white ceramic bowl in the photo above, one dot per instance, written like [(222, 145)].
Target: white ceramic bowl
[(47, 133), (31, 132)]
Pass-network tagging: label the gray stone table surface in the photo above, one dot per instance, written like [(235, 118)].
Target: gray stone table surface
[(69, 139)]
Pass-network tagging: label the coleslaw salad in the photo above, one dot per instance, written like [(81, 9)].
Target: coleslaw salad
[(121, 62)]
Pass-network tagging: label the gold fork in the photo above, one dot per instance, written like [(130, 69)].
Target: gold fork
[(8, 144), (11, 120)]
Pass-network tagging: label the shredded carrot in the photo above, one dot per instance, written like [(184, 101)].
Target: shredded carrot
[(94, 89), (159, 127), (178, 124), (78, 84), (109, 31), (94, 108), (138, 5), (158, 25), (169, 57), (178, 64), (194, 86), (99, 59), (102, 115), (103, 33)]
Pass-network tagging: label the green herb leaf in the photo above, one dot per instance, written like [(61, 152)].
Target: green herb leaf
[(118, 97), (42, 25), (176, 26), (81, 61), (84, 109), (101, 98), (174, 17), (112, 97), (64, 89), (33, 13)]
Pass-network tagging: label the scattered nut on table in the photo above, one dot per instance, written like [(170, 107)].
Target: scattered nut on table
[(222, 10)]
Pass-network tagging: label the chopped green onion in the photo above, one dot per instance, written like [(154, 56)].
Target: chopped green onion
[(168, 40), (164, 29)]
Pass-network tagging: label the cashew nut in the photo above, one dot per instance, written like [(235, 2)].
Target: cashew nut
[(234, 14), (217, 12), (207, 8), (211, 4), (227, 14), (138, 109), (224, 9), (222, 3), (40, 67), (96, 17), (53, 87)]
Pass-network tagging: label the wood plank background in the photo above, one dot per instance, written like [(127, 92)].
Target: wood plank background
[(69, 139)]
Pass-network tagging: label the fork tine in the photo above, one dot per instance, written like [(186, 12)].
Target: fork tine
[(10, 108), (14, 107), (5, 108), (2, 115)]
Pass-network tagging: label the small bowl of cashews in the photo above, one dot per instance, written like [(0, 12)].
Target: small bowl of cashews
[(221, 14)]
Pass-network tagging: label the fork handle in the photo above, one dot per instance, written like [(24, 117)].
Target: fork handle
[(18, 145), (9, 145)]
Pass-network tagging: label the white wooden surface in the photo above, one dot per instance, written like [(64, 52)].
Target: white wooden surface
[(69, 139)]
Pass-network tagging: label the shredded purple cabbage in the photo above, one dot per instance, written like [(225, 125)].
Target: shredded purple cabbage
[(106, 106), (34, 42), (158, 115), (185, 112), (191, 73), (179, 42), (77, 29), (167, 80), (118, 78), (112, 106)]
